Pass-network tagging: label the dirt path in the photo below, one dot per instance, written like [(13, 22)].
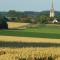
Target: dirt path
[(28, 39)]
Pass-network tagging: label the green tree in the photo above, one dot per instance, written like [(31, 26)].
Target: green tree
[(42, 19), (12, 13), (3, 23)]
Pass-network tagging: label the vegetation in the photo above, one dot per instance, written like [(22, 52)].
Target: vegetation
[(3, 23), (44, 31), (28, 44), (26, 16), (43, 19), (30, 53), (27, 13)]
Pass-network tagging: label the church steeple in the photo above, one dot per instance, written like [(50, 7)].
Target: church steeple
[(52, 14)]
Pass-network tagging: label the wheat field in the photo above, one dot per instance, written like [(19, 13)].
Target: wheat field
[(28, 39), (17, 25), (29, 53)]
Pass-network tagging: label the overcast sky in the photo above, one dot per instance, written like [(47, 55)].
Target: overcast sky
[(28, 5)]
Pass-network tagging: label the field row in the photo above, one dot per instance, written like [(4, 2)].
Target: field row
[(27, 39), (24, 33)]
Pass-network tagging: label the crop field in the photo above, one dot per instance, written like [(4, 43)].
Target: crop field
[(30, 42), (30, 53), (16, 25), (24, 33)]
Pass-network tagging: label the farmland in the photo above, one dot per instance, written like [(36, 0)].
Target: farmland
[(30, 53), (39, 31), (35, 42)]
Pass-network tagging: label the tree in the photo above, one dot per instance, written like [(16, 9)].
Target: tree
[(3, 23), (43, 19), (12, 13)]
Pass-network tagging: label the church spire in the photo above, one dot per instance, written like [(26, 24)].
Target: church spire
[(52, 14)]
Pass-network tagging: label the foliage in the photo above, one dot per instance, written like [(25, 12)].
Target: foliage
[(12, 13), (3, 23), (42, 19)]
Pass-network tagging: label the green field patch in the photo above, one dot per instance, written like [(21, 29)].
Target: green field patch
[(23, 33)]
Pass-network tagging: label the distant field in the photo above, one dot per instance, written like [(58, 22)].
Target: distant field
[(16, 25), (40, 31), (36, 32)]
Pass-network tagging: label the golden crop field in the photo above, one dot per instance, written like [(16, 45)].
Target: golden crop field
[(30, 53), (28, 39), (17, 25)]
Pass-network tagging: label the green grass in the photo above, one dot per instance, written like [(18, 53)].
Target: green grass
[(43, 31)]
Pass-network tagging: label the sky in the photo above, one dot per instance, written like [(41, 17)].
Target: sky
[(28, 5)]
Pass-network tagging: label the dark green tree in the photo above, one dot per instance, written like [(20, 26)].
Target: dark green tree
[(3, 23), (42, 19), (12, 13)]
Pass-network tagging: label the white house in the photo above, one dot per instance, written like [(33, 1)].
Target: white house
[(55, 21)]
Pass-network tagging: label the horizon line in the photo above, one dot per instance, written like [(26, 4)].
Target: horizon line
[(25, 10)]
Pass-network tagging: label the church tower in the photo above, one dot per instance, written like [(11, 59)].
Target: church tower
[(52, 14)]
